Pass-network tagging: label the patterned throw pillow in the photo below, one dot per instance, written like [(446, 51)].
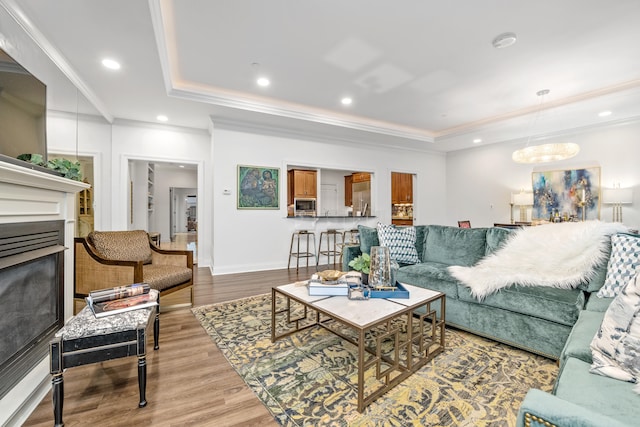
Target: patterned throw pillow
[(616, 346), (623, 264), (401, 242)]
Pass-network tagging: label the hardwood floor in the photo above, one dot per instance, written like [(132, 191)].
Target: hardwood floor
[(189, 381)]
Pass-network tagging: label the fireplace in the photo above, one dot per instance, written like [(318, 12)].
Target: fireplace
[(31, 295)]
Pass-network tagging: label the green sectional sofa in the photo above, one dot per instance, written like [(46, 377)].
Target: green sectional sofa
[(579, 397), (537, 319), (557, 323)]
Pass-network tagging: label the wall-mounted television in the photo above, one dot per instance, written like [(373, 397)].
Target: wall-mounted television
[(23, 112)]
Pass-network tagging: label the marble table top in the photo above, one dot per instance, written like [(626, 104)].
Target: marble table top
[(85, 323)]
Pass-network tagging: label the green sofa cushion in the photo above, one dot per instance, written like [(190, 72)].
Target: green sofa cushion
[(596, 303), (607, 396), (496, 237), (421, 239), (557, 305), (368, 238), (454, 246), (578, 344), (430, 275)]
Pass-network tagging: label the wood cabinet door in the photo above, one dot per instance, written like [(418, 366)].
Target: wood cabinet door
[(401, 187), (361, 177), (304, 183), (311, 186), (348, 190), (407, 187)]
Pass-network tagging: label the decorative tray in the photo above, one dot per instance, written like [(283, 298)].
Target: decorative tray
[(399, 292)]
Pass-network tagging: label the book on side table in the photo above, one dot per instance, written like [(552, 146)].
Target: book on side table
[(106, 302)]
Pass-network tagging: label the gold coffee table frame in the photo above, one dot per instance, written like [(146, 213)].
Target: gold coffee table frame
[(413, 328)]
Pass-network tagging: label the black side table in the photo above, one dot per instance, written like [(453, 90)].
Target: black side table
[(86, 339)]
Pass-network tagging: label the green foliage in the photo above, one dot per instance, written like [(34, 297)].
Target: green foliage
[(361, 263), (67, 168)]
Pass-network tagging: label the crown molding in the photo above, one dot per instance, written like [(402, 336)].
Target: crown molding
[(294, 111), (280, 131), (55, 56), (475, 125)]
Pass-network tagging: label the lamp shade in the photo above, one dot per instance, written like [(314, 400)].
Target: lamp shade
[(614, 196), (523, 199)]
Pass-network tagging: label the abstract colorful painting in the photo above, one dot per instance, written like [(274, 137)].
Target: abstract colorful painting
[(258, 187), (573, 193)]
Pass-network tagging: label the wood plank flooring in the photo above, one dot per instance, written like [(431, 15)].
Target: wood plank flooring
[(189, 381)]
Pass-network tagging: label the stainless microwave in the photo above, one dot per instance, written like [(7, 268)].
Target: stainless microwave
[(304, 207)]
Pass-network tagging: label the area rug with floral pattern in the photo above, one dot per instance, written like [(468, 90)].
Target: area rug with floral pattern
[(309, 378)]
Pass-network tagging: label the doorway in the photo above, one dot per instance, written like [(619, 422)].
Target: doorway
[(183, 219), (183, 211)]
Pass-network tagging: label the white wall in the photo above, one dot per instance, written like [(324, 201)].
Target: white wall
[(91, 137), (480, 181), (246, 240), (112, 146)]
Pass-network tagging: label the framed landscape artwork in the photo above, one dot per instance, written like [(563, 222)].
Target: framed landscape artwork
[(573, 193), (258, 187)]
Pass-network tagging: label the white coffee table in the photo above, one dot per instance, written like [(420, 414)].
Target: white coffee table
[(412, 327)]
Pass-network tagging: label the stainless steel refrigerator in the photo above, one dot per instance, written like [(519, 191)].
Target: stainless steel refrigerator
[(362, 198)]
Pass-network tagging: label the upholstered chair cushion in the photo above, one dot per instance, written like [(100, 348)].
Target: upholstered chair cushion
[(122, 245), (161, 277)]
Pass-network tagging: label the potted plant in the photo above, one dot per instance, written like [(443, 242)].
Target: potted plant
[(362, 263), (64, 167)]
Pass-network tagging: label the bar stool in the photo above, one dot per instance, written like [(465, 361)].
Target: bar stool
[(307, 250), (330, 237)]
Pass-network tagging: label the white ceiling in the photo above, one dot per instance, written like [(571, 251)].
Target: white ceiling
[(422, 73)]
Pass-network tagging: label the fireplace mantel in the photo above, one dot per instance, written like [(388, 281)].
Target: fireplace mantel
[(30, 195)]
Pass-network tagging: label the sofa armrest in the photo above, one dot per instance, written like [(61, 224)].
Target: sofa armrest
[(541, 409), (94, 272), (349, 252)]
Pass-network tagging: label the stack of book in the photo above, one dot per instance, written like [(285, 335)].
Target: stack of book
[(106, 302)]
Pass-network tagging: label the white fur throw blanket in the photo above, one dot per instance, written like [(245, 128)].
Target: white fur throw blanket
[(554, 255)]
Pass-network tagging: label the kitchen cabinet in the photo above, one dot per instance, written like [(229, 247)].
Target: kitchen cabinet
[(401, 188), (361, 177), (348, 190), (302, 183)]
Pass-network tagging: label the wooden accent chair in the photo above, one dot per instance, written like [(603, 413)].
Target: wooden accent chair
[(106, 259)]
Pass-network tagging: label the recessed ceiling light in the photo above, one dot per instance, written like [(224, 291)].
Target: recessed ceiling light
[(263, 81), (477, 141), (504, 40), (181, 166), (162, 118), (346, 101), (604, 113), (111, 64)]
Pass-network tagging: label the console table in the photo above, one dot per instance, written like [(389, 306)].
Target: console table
[(86, 339)]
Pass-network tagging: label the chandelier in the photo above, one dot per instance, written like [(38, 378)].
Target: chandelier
[(545, 153)]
